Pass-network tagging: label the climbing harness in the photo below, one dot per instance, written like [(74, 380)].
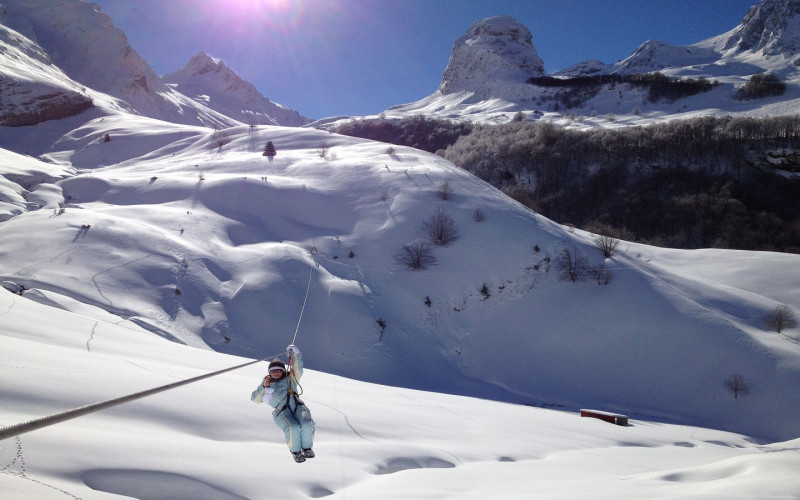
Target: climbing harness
[(291, 393)]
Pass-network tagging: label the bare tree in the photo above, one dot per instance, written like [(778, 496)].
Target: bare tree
[(607, 244), (737, 385), (416, 255), (478, 215), (781, 318), (440, 228), (572, 264), (445, 189), (601, 274), (323, 149)]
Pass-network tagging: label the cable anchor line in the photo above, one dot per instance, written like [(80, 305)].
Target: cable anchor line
[(302, 310), (32, 425), (38, 423)]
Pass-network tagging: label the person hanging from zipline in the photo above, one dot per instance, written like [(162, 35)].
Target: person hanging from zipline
[(280, 387)]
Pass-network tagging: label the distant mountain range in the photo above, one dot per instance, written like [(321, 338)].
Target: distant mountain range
[(53, 70), (488, 77)]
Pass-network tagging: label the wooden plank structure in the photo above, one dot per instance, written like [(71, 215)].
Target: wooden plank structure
[(614, 418)]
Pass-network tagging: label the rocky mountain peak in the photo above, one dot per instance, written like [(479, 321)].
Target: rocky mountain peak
[(494, 50), (203, 63), (210, 82), (772, 26)]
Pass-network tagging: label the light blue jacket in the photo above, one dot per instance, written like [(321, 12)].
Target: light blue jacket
[(278, 392)]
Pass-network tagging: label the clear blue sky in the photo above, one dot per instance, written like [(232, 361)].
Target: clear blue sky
[(353, 57)]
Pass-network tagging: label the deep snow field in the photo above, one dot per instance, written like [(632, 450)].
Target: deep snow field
[(208, 441), (159, 256)]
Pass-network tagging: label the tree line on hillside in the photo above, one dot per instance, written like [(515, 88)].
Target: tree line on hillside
[(573, 92), (705, 182), (418, 131)]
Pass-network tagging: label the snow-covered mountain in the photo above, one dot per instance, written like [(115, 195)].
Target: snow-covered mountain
[(33, 89), (64, 59), (493, 52), (83, 43), (216, 86), (486, 74), (768, 39), (771, 28), (485, 78)]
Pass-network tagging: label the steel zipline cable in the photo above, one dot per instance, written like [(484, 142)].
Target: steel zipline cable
[(38, 423), (302, 310)]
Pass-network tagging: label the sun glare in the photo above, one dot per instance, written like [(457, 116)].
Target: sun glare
[(259, 5), (271, 12)]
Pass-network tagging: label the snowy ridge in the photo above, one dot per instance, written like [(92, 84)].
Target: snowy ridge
[(214, 85), (772, 27)]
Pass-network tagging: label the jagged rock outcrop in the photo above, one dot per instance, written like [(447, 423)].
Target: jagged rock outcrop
[(772, 26), (38, 107), (494, 53), (216, 86)]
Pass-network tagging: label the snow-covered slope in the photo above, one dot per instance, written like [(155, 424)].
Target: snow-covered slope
[(215, 247), (207, 441), (213, 84), (21, 174)]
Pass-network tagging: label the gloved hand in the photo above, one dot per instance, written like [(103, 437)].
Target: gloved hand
[(292, 351)]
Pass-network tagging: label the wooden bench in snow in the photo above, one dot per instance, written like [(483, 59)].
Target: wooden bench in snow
[(614, 418)]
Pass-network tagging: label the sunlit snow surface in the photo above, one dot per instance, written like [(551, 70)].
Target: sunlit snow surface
[(208, 441), (161, 208)]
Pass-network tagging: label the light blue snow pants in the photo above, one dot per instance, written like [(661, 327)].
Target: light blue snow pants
[(298, 426)]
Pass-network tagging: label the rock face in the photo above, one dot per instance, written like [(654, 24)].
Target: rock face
[(32, 89), (772, 26), (39, 107), (216, 86), (494, 53)]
